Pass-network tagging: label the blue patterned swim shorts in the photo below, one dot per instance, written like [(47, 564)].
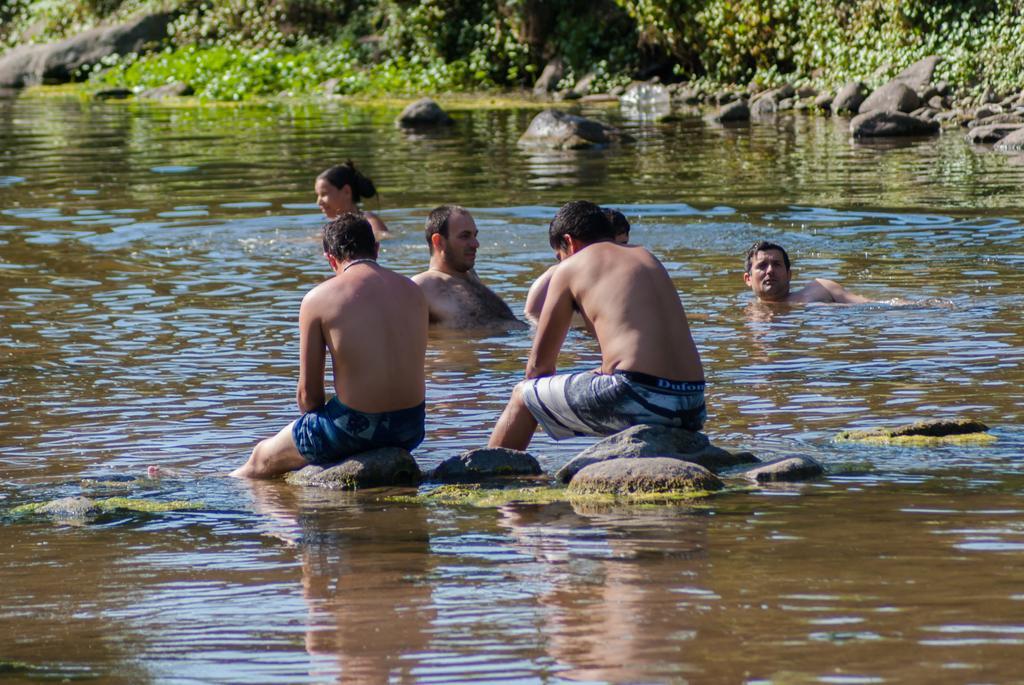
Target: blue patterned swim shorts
[(332, 432)]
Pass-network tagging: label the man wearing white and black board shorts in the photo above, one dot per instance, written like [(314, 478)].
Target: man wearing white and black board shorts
[(650, 368)]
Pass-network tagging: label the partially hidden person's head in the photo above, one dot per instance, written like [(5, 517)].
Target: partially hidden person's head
[(451, 236), (584, 222), (767, 271), (620, 223), (349, 237), (340, 188)]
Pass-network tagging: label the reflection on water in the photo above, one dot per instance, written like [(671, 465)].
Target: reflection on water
[(152, 260)]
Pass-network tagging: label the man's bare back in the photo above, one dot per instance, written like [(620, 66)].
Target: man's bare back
[(628, 299), (378, 366), (455, 296)]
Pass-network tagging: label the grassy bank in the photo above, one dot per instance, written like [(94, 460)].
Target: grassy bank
[(237, 49)]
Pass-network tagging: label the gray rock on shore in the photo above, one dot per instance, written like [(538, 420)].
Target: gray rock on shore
[(485, 463), (655, 475), (557, 129), (171, 90), (849, 98), (918, 75), (1014, 142), (548, 80), (424, 113), (645, 441), (885, 124), (894, 96), (376, 468), (982, 135), (31, 65)]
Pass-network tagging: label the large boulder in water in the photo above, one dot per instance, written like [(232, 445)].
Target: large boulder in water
[(645, 441), (30, 65), (653, 476), (423, 113), (376, 468), (880, 124), (485, 463), (557, 129)]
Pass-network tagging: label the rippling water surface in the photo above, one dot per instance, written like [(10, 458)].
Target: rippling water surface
[(152, 260)]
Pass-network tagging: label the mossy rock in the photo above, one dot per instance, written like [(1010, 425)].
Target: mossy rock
[(923, 433), (82, 507), (653, 476)]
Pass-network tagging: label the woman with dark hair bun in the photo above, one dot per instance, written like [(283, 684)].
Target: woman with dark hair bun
[(339, 191)]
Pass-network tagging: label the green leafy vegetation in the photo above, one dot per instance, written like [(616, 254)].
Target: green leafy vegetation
[(236, 49)]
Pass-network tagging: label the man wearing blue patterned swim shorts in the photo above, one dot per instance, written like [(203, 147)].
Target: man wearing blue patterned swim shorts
[(650, 368), (372, 323)]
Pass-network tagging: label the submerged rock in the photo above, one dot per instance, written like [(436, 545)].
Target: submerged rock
[(84, 507), (787, 469), (423, 113), (656, 475), (645, 441), (922, 431), (882, 124), (734, 111), (557, 129), (376, 468), (485, 463)]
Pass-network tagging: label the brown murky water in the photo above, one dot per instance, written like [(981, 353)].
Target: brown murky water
[(152, 259)]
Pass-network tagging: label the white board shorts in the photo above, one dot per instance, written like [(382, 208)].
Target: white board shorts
[(590, 403)]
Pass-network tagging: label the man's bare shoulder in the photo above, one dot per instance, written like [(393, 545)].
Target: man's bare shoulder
[(825, 290)]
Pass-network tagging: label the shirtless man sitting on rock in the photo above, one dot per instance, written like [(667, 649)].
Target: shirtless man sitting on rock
[(650, 369), (768, 274), (455, 295), (373, 324)]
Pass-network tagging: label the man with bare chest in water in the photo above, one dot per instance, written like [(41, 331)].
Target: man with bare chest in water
[(455, 296)]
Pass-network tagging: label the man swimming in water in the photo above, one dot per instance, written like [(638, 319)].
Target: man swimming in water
[(373, 323), (455, 296), (768, 274), (538, 291), (650, 368)]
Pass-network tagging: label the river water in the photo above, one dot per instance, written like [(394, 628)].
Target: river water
[(152, 260)]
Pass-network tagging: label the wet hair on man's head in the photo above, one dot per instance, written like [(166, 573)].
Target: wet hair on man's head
[(619, 221), (349, 237), (346, 174), (437, 222), (763, 246), (584, 221)]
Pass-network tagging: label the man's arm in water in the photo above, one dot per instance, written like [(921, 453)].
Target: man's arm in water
[(555, 320), (839, 293), (312, 356)]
